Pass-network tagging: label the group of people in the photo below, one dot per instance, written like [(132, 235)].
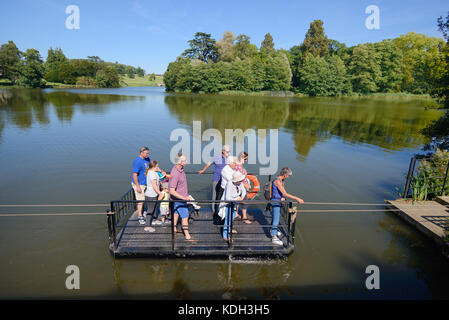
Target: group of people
[(229, 183)]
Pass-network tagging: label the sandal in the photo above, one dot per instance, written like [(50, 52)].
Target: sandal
[(234, 231), (189, 239), (247, 221)]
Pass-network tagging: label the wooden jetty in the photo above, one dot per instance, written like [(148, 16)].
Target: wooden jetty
[(429, 217), (129, 239)]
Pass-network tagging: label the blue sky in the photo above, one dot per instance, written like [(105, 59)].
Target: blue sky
[(152, 33)]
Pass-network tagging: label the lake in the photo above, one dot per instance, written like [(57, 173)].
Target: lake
[(76, 146)]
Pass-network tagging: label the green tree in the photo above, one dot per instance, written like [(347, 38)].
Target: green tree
[(336, 47), (55, 59), (267, 44), (94, 59), (390, 66), (175, 71), (278, 75), (295, 60), (107, 78), (243, 48), (241, 76), (364, 69), (225, 47), (316, 42), (441, 86), (438, 131), (67, 74), (420, 56), (324, 76), (9, 61), (32, 69), (140, 72), (202, 47), (84, 67)]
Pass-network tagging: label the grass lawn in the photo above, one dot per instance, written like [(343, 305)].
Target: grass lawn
[(126, 81)]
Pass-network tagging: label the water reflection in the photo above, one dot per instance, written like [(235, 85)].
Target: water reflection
[(23, 107), (229, 112), (428, 264), (386, 124)]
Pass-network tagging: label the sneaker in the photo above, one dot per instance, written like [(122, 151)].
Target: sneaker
[(149, 229), (142, 220), (156, 223), (279, 234), (277, 241), (145, 214)]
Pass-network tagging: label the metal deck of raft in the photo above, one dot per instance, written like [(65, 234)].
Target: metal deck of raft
[(251, 240)]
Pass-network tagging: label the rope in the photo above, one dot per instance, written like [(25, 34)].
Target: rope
[(103, 213), (51, 214)]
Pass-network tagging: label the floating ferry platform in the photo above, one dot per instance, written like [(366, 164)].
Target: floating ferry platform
[(129, 239)]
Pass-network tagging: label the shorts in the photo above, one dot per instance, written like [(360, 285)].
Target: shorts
[(181, 209), (139, 195), (164, 211), (151, 206)]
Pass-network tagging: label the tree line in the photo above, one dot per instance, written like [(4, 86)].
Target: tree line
[(28, 69), (319, 66)]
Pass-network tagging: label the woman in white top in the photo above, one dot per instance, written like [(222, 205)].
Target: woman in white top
[(153, 191), (234, 190)]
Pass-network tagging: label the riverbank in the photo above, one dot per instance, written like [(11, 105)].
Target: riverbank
[(431, 102)]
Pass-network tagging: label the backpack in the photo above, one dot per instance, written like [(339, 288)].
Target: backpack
[(268, 190)]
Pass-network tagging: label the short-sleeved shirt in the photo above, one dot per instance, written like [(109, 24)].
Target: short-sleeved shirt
[(150, 192), (178, 181), (233, 192), (139, 166), (226, 175), (219, 163), (242, 170)]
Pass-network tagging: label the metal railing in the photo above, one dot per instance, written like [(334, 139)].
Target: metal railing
[(430, 188), (122, 209)]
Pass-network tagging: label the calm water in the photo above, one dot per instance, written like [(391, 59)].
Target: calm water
[(77, 146)]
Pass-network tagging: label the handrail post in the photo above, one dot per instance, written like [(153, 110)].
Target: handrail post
[(172, 211), (289, 220), (113, 222), (231, 225), (409, 176), (445, 179)]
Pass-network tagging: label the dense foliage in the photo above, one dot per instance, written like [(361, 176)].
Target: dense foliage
[(29, 70), (438, 131), (412, 63)]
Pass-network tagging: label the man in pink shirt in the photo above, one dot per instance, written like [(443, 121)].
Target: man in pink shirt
[(177, 185)]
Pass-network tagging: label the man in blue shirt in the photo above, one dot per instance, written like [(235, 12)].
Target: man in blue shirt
[(219, 163), (139, 179)]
